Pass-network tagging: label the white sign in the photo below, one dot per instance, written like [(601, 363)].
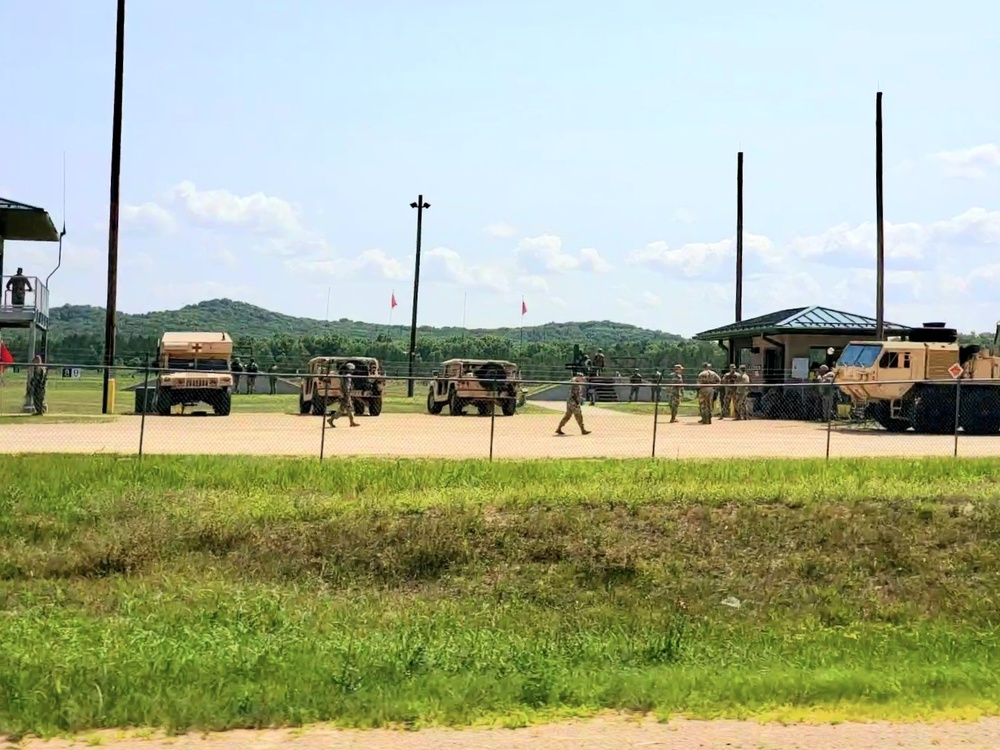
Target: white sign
[(800, 368), (71, 372)]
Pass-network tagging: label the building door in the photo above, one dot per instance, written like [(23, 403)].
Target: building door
[(774, 370)]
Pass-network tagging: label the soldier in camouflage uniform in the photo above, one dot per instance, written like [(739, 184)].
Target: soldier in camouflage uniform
[(741, 393), (272, 380), (657, 388), (346, 405), (574, 406), (37, 378), (726, 395), (636, 381), (708, 379), (676, 389)]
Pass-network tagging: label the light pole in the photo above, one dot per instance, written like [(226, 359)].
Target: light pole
[(420, 205)]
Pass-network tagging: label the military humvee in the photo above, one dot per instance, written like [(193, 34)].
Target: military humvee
[(321, 385), (193, 367), (911, 381), (478, 382)]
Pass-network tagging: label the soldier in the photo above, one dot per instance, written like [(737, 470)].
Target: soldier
[(726, 395), (707, 380), (17, 285), (37, 378), (636, 381), (574, 406), (237, 369), (599, 362), (826, 389), (346, 404), (252, 370), (657, 386), (740, 393), (272, 379), (676, 390)]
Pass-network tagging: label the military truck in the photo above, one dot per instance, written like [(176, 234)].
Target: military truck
[(193, 367), (478, 382), (321, 385), (912, 381)]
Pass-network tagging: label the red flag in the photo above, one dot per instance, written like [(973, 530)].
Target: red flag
[(392, 302), (5, 357), (524, 307)]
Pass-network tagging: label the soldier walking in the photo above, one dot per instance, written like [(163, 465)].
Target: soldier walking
[(708, 379), (37, 379), (237, 369), (252, 370), (657, 386), (574, 406), (599, 362), (636, 381), (346, 405), (676, 390), (741, 392), (272, 379), (826, 391), (728, 380)]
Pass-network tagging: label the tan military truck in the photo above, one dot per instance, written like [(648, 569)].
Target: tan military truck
[(478, 382), (913, 381), (321, 385), (192, 368)]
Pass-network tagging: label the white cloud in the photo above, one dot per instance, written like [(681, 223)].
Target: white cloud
[(970, 163), (145, 218), (644, 301), (185, 293), (699, 258), (558, 302), (221, 208), (684, 216), (533, 283), (500, 229), (544, 254), (367, 264), (456, 270)]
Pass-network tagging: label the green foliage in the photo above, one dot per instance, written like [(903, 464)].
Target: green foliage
[(77, 337), (226, 592)]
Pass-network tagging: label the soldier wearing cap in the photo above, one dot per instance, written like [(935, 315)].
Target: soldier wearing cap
[(676, 390), (708, 379), (346, 405), (826, 390), (574, 405), (741, 392), (728, 380)]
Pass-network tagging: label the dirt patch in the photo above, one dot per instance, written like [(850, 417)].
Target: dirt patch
[(603, 733)]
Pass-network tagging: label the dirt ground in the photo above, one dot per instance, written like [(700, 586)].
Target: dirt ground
[(614, 435), (606, 733)]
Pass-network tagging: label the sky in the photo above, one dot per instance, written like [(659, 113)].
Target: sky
[(578, 154)]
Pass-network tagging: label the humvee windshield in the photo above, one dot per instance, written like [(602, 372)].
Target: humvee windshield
[(859, 355), (216, 365)]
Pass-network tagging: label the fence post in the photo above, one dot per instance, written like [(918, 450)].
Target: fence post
[(322, 417), (493, 417), (829, 427), (958, 401), (656, 419), (145, 407)]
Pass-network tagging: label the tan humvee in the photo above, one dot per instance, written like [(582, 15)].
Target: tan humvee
[(478, 382), (321, 386), (913, 381), (193, 367)]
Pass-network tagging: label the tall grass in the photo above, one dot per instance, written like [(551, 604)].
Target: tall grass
[(212, 592)]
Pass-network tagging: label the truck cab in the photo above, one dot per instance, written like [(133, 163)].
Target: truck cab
[(194, 367)]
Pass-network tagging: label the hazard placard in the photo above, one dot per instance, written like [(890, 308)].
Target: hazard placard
[(955, 370)]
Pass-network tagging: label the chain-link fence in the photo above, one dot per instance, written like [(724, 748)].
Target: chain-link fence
[(477, 416)]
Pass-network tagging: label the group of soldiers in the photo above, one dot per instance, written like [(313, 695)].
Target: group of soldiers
[(250, 371), (731, 389)]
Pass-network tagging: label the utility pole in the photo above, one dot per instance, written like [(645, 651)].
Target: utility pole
[(116, 166), (880, 224), (739, 237), (420, 205)]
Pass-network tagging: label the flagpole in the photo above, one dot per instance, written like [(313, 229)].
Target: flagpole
[(465, 306), (520, 343)]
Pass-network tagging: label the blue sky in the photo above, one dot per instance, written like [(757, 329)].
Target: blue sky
[(579, 153)]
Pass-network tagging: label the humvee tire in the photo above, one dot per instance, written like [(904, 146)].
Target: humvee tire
[(508, 406), (303, 404), (359, 407), (318, 406), (455, 404), (433, 407), (223, 404), (375, 406), (163, 403), (483, 407)]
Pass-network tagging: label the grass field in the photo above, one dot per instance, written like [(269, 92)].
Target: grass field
[(81, 397), (215, 592)]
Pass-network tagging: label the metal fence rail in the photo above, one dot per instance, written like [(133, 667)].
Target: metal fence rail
[(269, 414)]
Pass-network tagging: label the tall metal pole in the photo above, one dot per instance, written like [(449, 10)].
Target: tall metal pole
[(880, 227), (420, 205), (116, 165), (739, 236)]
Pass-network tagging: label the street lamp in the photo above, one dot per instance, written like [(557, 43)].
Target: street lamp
[(420, 205)]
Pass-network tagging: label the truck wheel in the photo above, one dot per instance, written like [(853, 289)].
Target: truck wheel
[(455, 404), (318, 406), (223, 404), (303, 404), (163, 403), (483, 407), (433, 407), (979, 413), (934, 413), (359, 407), (508, 406), (375, 406)]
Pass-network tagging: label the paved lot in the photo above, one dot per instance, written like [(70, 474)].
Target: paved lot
[(609, 734), (522, 436)]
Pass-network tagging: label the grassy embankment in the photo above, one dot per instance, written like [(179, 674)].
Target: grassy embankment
[(80, 400), (214, 593)]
